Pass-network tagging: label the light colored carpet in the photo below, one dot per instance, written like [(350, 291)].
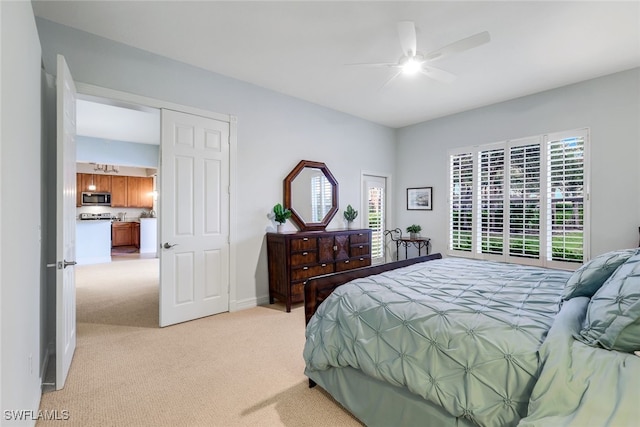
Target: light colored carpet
[(233, 369)]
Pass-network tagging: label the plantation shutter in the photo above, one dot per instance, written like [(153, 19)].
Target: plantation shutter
[(376, 221), (491, 192), (461, 202), (524, 200), (566, 195)]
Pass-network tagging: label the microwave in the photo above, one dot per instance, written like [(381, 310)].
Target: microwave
[(96, 199)]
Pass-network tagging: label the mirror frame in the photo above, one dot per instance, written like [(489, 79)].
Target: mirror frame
[(295, 217)]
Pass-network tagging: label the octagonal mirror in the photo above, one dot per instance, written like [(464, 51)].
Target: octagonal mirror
[(311, 192)]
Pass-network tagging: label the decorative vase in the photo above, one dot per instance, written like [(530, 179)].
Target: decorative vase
[(280, 227), (414, 235), (349, 225)]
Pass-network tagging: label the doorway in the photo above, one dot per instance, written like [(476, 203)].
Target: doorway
[(198, 279), (374, 202)]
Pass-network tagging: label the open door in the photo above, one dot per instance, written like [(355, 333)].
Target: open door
[(194, 217), (65, 222)]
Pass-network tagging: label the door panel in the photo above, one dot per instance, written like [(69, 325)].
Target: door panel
[(65, 222), (194, 217)]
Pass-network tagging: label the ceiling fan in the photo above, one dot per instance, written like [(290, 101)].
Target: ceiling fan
[(413, 61)]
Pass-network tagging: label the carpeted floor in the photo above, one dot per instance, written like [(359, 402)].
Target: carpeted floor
[(233, 369)]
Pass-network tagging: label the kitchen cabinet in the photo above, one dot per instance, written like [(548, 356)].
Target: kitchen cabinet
[(84, 180), (139, 192), (125, 234), (119, 192), (132, 192)]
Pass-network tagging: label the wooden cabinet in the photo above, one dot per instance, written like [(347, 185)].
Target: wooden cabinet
[(125, 234), (119, 192), (84, 180), (132, 192), (295, 257)]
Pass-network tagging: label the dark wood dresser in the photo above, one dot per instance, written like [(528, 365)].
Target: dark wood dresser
[(294, 257)]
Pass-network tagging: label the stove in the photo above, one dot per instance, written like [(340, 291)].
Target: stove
[(95, 216)]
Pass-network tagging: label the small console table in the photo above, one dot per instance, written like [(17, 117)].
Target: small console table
[(399, 240)]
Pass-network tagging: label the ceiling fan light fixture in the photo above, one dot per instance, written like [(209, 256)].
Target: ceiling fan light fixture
[(411, 65)]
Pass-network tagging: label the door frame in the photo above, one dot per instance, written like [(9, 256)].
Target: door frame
[(115, 95)]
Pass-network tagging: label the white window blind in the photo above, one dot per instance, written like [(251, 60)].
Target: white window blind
[(376, 220), (461, 201), (524, 201), (529, 200), (491, 201), (565, 212)]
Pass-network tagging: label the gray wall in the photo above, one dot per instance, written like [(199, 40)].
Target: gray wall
[(123, 153), (275, 132), (609, 106), (21, 272)]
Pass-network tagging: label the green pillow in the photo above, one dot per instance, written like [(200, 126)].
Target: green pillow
[(613, 314), (587, 279)]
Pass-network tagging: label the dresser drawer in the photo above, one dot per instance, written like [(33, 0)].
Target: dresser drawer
[(304, 243), (352, 263), (359, 238), (302, 258), (310, 271), (358, 250)]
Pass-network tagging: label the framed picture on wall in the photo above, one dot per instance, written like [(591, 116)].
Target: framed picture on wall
[(420, 199)]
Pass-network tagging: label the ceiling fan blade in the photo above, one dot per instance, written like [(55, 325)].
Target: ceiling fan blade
[(438, 74), (373, 64), (407, 34), (390, 80), (459, 46)]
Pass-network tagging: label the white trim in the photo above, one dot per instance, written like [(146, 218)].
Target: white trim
[(388, 212), (116, 95)]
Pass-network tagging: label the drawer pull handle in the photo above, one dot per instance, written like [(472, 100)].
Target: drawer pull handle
[(361, 259), (305, 268), (305, 239), (305, 253), (324, 265), (360, 247), (335, 247), (346, 262), (360, 234)]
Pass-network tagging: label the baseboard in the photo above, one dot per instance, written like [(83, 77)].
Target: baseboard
[(248, 303)]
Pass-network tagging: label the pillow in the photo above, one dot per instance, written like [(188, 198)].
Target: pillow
[(587, 279), (613, 314)]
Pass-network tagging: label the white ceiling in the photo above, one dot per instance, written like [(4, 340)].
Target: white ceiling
[(300, 48)]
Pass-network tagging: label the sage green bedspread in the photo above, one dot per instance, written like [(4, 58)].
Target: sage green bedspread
[(463, 334), (583, 386)]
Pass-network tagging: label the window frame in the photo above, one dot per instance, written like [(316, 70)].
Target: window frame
[(544, 257)]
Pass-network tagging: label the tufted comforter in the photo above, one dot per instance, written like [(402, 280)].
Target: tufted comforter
[(463, 334)]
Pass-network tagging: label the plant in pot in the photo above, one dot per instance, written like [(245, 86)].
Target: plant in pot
[(281, 215), (350, 215), (414, 231)]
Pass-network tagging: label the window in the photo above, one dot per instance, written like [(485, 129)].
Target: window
[(374, 196), (521, 201)]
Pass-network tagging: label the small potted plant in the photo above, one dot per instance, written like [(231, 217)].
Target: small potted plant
[(350, 215), (281, 215), (414, 231)]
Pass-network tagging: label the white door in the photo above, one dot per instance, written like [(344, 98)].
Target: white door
[(374, 195), (194, 217), (65, 222)]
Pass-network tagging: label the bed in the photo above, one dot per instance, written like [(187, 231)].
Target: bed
[(456, 342)]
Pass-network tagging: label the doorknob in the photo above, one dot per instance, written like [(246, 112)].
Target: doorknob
[(168, 246)]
